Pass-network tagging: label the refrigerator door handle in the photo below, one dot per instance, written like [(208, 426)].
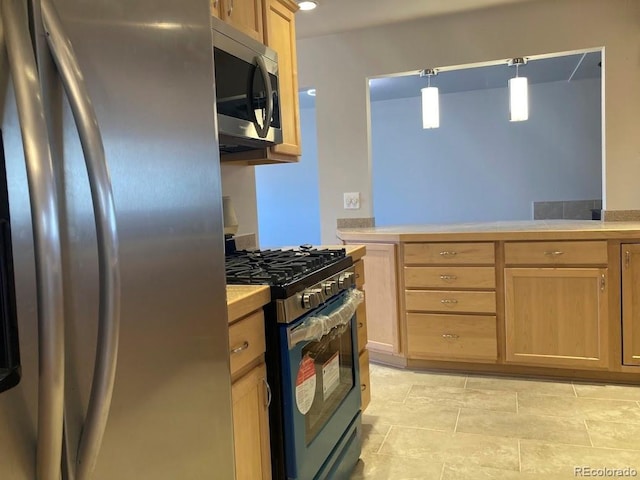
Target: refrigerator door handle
[(46, 237), (107, 236)]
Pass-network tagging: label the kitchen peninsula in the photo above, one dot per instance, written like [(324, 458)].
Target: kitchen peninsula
[(549, 298)]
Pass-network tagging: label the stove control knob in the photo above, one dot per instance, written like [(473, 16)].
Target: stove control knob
[(330, 287), (346, 280), (311, 299)]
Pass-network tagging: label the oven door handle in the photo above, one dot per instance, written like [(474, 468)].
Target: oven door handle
[(314, 327)]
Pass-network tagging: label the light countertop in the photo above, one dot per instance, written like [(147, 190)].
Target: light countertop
[(244, 299), (492, 231)]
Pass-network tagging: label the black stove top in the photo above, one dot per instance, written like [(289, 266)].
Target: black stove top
[(286, 271)]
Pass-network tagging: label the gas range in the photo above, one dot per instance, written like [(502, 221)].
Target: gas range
[(290, 272)]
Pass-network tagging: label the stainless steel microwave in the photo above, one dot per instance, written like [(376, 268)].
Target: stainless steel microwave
[(246, 84)]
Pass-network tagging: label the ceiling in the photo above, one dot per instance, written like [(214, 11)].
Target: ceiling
[(545, 70), (554, 69), (333, 16)]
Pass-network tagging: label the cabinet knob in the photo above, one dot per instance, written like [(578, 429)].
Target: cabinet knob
[(363, 387)]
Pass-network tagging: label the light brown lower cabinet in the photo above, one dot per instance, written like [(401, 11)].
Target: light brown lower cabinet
[(631, 304), (365, 383), (452, 337), (383, 326), (557, 317), (251, 425)]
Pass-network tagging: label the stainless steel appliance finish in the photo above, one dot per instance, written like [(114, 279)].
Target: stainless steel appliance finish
[(148, 69), (247, 90), (295, 306)]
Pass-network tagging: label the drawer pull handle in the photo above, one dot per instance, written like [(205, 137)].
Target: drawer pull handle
[(360, 324), (627, 259), (241, 348), (449, 301), (363, 387), (554, 253), (450, 335), (448, 277), (448, 253), (268, 389)]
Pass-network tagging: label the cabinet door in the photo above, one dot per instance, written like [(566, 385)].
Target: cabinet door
[(251, 426), (281, 36), (365, 380), (557, 316), (245, 15), (631, 304), (215, 8), (381, 298)]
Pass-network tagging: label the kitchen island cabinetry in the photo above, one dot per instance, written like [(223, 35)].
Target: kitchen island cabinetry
[(631, 303), (249, 390), (450, 301), (556, 298)]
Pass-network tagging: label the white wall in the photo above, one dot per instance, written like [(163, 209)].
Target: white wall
[(287, 194), (339, 65), (478, 166), (239, 182)]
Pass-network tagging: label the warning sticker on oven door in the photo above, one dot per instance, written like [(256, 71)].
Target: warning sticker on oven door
[(305, 384), (330, 375)]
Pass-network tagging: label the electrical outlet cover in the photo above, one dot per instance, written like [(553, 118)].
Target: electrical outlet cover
[(352, 200)]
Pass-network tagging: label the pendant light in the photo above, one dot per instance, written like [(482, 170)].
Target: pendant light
[(518, 93), (430, 101)]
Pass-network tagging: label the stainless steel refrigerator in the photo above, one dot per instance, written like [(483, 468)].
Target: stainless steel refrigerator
[(112, 170)]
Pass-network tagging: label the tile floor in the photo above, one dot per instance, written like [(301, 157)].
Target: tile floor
[(426, 426)]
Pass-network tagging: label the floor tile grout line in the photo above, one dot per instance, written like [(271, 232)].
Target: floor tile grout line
[(455, 427), (384, 439), (588, 434), (517, 407), (466, 380), (575, 392), (519, 458)]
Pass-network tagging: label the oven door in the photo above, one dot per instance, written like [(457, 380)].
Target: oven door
[(321, 393)]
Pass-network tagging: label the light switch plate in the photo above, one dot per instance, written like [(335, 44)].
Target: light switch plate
[(352, 200)]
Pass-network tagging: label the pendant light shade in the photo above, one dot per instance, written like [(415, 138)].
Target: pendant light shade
[(430, 107), (518, 94), (430, 102)]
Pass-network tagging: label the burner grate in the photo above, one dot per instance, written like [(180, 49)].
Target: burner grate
[(277, 267)]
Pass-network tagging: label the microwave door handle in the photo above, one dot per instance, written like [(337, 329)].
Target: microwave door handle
[(46, 237), (269, 112), (107, 240)]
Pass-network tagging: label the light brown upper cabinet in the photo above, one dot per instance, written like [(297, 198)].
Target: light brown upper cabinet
[(631, 304), (244, 15)]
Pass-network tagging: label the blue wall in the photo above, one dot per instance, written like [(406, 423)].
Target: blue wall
[(287, 194), (478, 166)]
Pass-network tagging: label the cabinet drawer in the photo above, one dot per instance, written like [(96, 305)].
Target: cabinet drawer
[(449, 277), (555, 253), (361, 319), (452, 336), (246, 341), (359, 268), (449, 253), (365, 383), (450, 301)]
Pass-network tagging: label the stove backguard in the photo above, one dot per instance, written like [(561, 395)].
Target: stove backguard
[(9, 352)]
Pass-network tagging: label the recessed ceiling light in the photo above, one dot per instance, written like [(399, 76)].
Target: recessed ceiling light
[(307, 5), (311, 92)]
